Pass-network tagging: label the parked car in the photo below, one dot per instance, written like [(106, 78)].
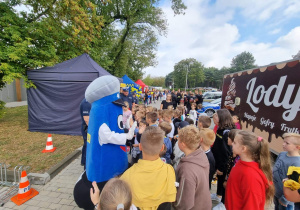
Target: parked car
[(217, 101), (210, 107), (210, 96)]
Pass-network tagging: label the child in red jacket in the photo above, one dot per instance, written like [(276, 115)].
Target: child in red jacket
[(250, 185)]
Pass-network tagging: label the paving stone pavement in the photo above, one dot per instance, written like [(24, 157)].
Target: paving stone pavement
[(56, 194)]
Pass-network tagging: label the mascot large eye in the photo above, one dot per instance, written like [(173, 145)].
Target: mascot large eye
[(120, 122)]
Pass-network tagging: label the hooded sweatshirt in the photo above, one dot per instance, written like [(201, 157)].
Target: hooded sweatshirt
[(193, 174), (152, 183), (246, 187)]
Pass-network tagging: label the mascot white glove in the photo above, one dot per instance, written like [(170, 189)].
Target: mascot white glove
[(130, 133), (106, 136)]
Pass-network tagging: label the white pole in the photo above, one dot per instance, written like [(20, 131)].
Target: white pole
[(187, 68), (173, 83)]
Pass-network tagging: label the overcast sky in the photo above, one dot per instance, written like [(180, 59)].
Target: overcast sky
[(215, 31)]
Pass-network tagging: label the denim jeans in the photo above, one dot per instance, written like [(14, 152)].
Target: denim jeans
[(278, 206)]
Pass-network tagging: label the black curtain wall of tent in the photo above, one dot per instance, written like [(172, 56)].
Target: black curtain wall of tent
[(53, 106)]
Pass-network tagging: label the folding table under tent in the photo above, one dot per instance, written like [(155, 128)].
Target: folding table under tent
[(53, 106)]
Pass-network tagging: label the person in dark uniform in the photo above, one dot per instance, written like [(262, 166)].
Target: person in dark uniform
[(125, 96), (135, 99), (179, 96), (174, 99), (190, 100), (199, 97), (85, 108)]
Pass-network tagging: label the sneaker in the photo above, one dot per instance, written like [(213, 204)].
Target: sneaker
[(220, 206), (214, 197)]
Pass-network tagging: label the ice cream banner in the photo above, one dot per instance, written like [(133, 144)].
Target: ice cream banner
[(266, 98)]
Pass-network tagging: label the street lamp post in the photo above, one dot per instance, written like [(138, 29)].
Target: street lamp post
[(187, 69)]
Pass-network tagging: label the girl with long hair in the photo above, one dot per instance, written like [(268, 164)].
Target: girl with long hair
[(250, 183), (166, 103), (221, 151)]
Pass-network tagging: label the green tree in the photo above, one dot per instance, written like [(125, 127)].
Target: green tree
[(192, 70), (120, 35), (129, 36), (243, 61), (220, 76), (51, 32), (154, 81), (148, 80), (210, 76), (158, 81), (169, 79)]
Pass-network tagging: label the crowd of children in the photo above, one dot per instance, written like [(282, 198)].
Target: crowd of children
[(175, 155)]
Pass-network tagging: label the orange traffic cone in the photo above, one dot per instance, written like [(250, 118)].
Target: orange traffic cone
[(49, 145), (25, 191)]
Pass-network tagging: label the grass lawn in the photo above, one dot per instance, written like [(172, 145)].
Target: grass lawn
[(18, 146)]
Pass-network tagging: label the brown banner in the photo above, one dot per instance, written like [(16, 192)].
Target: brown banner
[(269, 98)]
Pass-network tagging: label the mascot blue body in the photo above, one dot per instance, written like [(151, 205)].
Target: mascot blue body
[(109, 160), (106, 155)]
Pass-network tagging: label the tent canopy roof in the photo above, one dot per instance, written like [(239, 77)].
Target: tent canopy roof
[(140, 82), (127, 80), (82, 68)]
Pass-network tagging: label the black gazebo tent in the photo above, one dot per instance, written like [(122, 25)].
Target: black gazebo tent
[(53, 106)]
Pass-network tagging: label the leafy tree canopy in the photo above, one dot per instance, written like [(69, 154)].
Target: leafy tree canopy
[(120, 35), (154, 81), (129, 37), (191, 69), (200, 76), (243, 61), (169, 79), (51, 32)]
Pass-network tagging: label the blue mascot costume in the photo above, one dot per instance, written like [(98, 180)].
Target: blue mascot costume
[(106, 155)]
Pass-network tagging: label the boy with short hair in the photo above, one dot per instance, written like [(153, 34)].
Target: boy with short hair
[(207, 138), (177, 118), (151, 118), (192, 172), (178, 154), (152, 182), (167, 116), (290, 157), (189, 120), (170, 107), (160, 115), (149, 109), (166, 127), (136, 153), (204, 122), (135, 109)]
